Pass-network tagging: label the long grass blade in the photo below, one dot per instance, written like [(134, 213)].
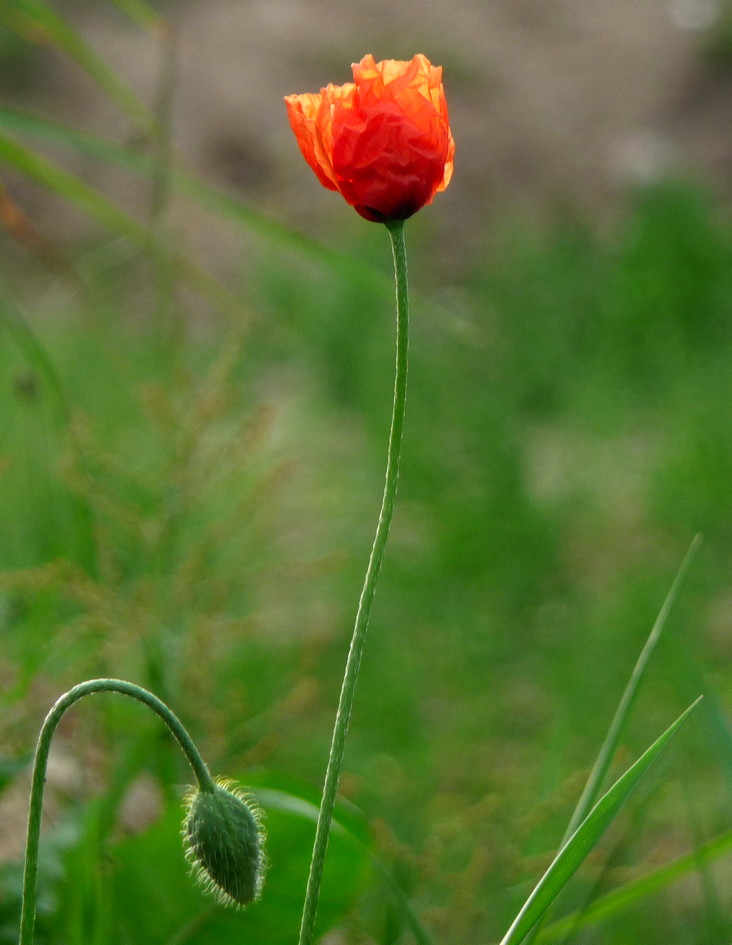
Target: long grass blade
[(585, 837), (610, 744), (62, 182), (37, 18), (617, 726), (205, 195), (109, 215), (25, 338), (692, 679), (145, 16), (622, 898)]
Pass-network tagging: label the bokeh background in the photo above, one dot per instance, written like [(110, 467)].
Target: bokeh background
[(195, 383)]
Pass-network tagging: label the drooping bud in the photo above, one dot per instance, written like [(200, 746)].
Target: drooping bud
[(224, 841)]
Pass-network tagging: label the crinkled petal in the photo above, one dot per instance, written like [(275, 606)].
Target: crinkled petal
[(383, 141)]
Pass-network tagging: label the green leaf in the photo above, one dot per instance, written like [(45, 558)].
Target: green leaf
[(582, 841)]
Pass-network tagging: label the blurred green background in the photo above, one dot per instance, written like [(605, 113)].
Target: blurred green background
[(195, 384)]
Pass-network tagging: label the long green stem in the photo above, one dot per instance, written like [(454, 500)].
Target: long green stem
[(335, 759), (35, 810)]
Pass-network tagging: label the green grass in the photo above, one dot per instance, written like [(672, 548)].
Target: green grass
[(187, 498), (199, 520)]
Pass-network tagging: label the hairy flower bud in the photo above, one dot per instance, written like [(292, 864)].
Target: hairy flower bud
[(224, 842)]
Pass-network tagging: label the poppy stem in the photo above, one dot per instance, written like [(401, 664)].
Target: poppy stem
[(35, 810), (343, 715)]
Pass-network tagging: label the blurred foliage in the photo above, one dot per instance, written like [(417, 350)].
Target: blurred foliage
[(16, 60), (197, 515), (188, 499), (719, 39), (139, 889)]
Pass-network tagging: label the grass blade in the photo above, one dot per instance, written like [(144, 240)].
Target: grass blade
[(19, 329), (109, 215), (74, 190), (600, 768), (626, 896), (211, 198), (36, 18), (609, 746), (692, 679), (143, 15), (585, 837)]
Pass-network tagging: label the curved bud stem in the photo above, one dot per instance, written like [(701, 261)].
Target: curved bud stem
[(35, 810), (340, 730)]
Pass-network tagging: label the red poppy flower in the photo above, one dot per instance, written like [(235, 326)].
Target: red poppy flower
[(383, 141)]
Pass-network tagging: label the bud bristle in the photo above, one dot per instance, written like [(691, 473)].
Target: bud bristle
[(224, 842)]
